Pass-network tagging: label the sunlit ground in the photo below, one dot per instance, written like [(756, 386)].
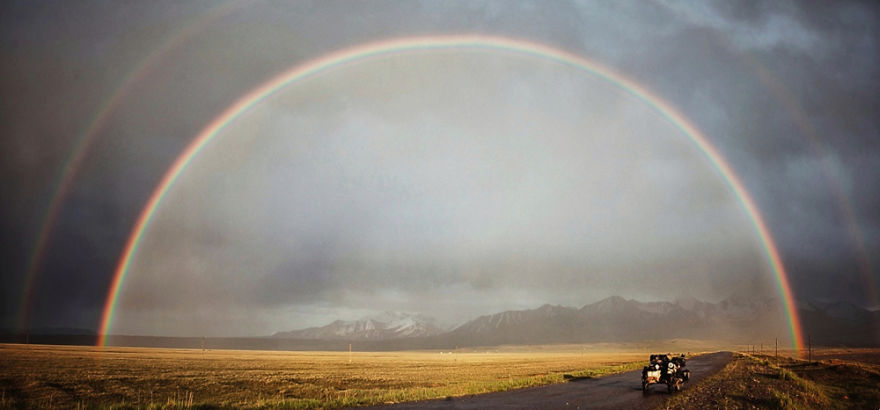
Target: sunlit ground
[(836, 378), (67, 376)]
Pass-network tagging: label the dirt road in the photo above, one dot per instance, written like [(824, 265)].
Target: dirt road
[(618, 391)]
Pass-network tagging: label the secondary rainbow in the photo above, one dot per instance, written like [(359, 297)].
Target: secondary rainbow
[(789, 103), (63, 182), (452, 42)]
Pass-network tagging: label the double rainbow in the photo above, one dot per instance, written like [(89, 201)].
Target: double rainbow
[(398, 46), (64, 181)]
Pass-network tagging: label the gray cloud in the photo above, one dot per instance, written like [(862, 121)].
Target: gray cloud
[(437, 177), (490, 176)]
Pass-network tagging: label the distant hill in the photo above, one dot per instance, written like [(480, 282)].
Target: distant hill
[(389, 325), (840, 323), (615, 319)]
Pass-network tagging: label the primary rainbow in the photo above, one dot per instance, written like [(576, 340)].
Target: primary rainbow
[(479, 42)]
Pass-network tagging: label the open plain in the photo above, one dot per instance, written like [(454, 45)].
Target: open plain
[(47, 376), (40, 376)]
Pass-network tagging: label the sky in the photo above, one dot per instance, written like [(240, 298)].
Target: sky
[(451, 183)]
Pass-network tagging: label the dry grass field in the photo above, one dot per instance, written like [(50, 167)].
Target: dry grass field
[(835, 379), (43, 376)]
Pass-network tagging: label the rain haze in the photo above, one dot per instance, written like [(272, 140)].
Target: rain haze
[(451, 182)]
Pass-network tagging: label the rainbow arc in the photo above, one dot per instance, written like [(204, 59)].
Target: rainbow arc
[(453, 42)]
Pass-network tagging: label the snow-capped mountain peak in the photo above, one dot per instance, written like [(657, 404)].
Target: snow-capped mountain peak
[(385, 326)]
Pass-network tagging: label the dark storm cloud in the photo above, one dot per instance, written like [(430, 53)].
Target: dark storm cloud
[(53, 74), (63, 60), (825, 57), (815, 147)]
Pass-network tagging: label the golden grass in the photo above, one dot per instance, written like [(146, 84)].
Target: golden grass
[(40, 376), (765, 381)]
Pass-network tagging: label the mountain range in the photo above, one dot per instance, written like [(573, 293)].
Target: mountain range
[(389, 325), (615, 319), (736, 320)]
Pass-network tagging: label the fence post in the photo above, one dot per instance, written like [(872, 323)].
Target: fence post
[(810, 348)]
